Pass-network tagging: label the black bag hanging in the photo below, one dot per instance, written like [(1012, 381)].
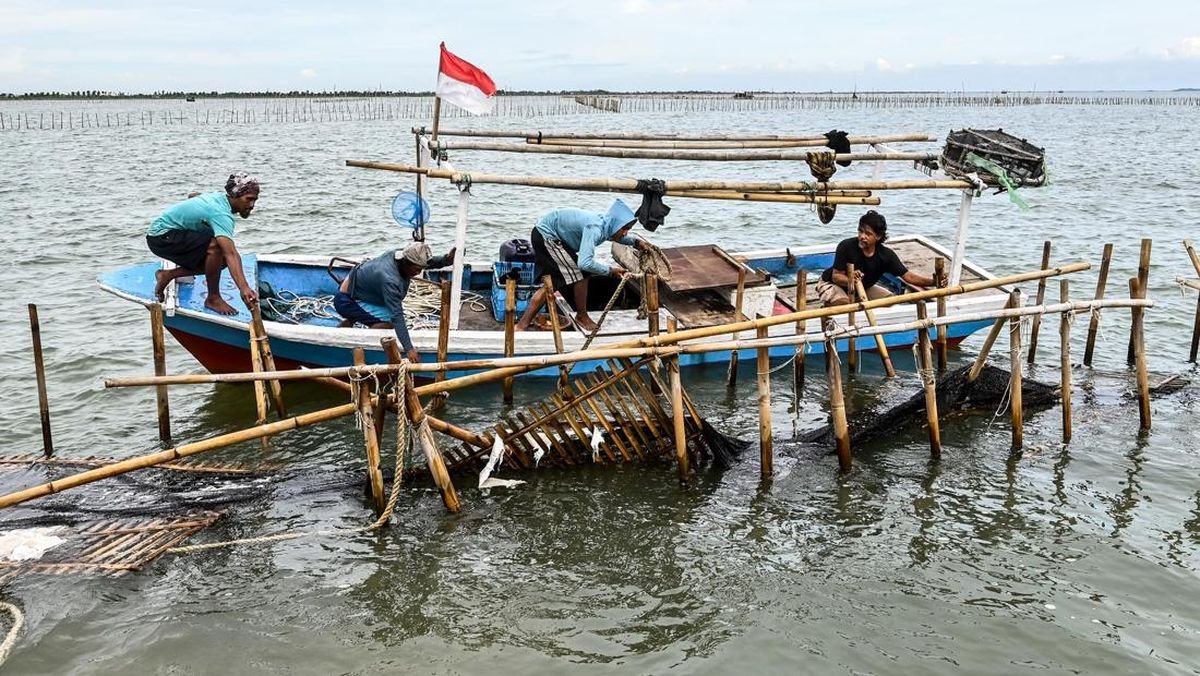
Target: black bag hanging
[(652, 211)]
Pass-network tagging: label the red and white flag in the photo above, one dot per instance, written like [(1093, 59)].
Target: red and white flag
[(464, 85)]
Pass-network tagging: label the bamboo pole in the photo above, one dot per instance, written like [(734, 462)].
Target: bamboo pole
[(1137, 339), (739, 300), (267, 357), (801, 352), (510, 318), (1143, 279), (423, 433), (260, 386), (691, 155), (677, 420), (443, 340), (785, 198), (1036, 326), (1064, 333), (630, 185), (1094, 324), (1191, 250), (533, 136), (851, 344), (880, 344), (161, 398), (929, 381), (1014, 301), (564, 374), (186, 450), (766, 443), (39, 367), (837, 403), (366, 412), (1015, 394), (943, 342), (673, 144)]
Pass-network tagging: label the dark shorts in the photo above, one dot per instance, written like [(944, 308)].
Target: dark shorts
[(348, 308), (186, 248), (551, 257)]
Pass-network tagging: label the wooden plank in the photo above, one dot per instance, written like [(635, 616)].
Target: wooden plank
[(704, 266)]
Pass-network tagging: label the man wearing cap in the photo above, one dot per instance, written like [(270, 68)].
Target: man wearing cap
[(197, 236), (564, 247), (871, 259), (384, 281)]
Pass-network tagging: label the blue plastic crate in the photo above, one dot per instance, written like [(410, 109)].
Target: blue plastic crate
[(524, 293), (500, 269)]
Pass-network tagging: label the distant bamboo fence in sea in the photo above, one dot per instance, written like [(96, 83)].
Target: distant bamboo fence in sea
[(222, 111)]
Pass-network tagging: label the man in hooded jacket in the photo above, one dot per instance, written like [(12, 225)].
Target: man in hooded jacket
[(564, 245)]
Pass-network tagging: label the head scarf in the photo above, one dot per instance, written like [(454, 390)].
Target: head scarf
[(240, 183), (418, 254)]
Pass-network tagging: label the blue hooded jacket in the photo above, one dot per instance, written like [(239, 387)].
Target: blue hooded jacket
[(581, 231)]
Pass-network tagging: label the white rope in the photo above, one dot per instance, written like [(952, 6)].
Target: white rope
[(422, 306), (18, 622)]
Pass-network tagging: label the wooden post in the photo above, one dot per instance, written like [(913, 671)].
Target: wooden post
[(556, 328), (1014, 300), (443, 344), (260, 387), (837, 402), (366, 414), (851, 342), (650, 290), (158, 340), (267, 358), (422, 433), (1064, 333), (1143, 285), (801, 348), (1036, 326), (1014, 383), (681, 456), (943, 342), (739, 299), (929, 380), (880, 344), (1191, 250), (1137, 340), (35, 329), (1094, 325), (766, 443), (510, 318)]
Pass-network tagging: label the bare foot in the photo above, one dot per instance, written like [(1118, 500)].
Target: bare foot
[(218, 304), (160, 284), (585, 324)]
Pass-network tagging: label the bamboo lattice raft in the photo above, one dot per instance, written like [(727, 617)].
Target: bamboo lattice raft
[(109, 547)]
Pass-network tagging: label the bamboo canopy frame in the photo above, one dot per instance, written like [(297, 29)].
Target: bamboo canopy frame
[(634, 136)]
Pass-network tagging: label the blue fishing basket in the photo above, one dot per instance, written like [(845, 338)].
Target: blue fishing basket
[(525, 285)]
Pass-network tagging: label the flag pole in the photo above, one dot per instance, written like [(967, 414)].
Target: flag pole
[(437, 114)]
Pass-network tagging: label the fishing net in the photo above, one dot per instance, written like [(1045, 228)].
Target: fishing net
[(954, 393), (410, 210)]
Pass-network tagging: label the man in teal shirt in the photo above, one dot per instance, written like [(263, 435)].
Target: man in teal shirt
[(197, 236)]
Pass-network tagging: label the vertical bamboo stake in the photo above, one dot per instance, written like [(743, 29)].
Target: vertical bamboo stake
[(681, 455), (556, 328), (510, 348), (739, 299), (880, 344), (1191, 250), (157, 339), (650, 284), (1036, 326), (366, 414), (943, 342), (837, 402), (1094, 325), (1143, 284), (801, 348), (35, 329), (1064, 332), (443, 344), (260, 387), (925, 364), (851, 343), (268, 359), (422, 433), (1014, 300), (766, 443), (1137, 339), (1014, 384)]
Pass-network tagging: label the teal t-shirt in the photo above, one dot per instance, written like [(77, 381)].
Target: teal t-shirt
[(210, 210)]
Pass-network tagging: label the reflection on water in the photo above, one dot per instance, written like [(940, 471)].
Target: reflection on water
[(1067, 558)]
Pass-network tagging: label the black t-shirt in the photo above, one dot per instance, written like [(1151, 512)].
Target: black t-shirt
[(884, 260)]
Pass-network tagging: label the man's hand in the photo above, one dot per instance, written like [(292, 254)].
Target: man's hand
[(249, 297), (642, 245), (450, 256), (413, 355), (617, 271)]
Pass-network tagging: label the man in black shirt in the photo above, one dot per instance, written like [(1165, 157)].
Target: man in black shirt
[(871, 259)]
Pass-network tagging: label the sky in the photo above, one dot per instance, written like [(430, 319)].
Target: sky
[(618, 45)]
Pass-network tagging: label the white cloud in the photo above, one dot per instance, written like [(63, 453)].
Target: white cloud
[(12, 60), (1188, 48), (308, 74), (882, 64)]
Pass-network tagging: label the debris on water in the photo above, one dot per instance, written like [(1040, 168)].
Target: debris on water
[(29, 544)]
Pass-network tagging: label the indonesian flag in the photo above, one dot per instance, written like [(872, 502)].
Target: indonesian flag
[(464, 85)]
